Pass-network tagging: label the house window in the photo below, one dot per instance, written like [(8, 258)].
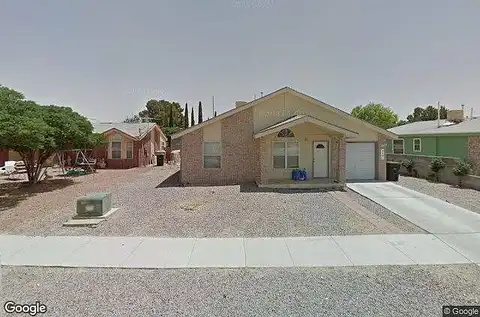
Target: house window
[(398, 146), (286, 154), (212, 154), (417, 145), (129, 150), (285, 133), (116, 146)]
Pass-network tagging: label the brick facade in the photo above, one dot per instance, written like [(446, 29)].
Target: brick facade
[(474, 153), (3, 156), (240, 154), (334, 157)]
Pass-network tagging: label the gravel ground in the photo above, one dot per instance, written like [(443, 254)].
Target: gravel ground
[(351, 291), (53, 201), (384, 213), (225, 211), (463, 197)]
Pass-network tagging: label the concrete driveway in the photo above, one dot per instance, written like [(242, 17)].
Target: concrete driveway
[(454, 225), (429, 213)]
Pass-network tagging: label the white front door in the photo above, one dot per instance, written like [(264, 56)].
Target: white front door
[(320, 159)]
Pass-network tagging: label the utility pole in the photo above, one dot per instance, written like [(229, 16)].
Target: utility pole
[(438, 114), (213, 104)]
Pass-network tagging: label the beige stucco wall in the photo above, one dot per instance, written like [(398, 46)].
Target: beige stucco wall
[(125, 139), (305, 135), (286, 105)]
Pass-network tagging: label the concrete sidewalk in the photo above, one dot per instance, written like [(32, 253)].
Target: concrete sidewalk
[(431, 214), (148, 252)]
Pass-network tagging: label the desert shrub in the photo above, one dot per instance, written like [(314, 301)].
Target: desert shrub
[(436, 165), (408, 164), (462, 169)]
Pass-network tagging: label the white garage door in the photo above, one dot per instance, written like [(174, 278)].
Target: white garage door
[(360, 161)]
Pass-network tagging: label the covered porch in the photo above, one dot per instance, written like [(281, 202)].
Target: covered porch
[(312, 183), (302, 142)]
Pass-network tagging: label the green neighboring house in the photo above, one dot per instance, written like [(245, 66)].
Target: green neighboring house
[(441, 138)]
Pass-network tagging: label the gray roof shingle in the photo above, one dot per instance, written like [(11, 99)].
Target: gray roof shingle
[(431, 127), (136, 130)]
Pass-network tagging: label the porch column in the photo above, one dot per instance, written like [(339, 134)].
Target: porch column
[(342, 154), (338, 156), (334, 140)]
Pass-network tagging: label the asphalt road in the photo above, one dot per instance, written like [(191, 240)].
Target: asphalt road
[(346, 291)]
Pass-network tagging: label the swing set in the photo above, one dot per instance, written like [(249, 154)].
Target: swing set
[(83, 162)]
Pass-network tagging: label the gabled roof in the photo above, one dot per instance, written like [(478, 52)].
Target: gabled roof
[(134, 130), (299, 119), (280, 91), (431, 127)]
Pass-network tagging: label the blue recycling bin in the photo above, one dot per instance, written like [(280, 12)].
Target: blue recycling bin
[(299, 174)]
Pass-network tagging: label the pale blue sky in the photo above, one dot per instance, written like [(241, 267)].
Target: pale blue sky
[(106, 58)]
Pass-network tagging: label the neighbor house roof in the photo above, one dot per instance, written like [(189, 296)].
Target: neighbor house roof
[(431, 127), (135, 130), (298, 119), (274, 94)]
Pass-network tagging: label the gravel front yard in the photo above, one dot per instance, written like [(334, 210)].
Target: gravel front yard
[(351, 291), (226, 211), (463, 197)]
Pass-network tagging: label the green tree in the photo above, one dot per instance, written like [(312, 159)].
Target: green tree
[(215, 114), (185, 124), (170, 119), (169, 115), (192, 123), (36, 132), (426, 114), (376, 114), (134, 119), (159, 112), (200, 112)]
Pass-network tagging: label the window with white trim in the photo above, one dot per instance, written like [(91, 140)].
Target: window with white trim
[(286, 154), (417, 145), (116, 146), (398, 146), (129, 149), (212, 155)]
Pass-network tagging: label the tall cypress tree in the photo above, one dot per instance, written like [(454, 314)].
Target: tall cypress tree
[(185, 124), (215, 114), (170, 121), (200, 112), (193, 118)]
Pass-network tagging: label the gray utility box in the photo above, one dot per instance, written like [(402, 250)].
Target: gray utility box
[(94, 204)]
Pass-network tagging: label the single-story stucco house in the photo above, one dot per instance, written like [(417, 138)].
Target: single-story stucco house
[(457, 137), (129, 144), (263, 140)]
